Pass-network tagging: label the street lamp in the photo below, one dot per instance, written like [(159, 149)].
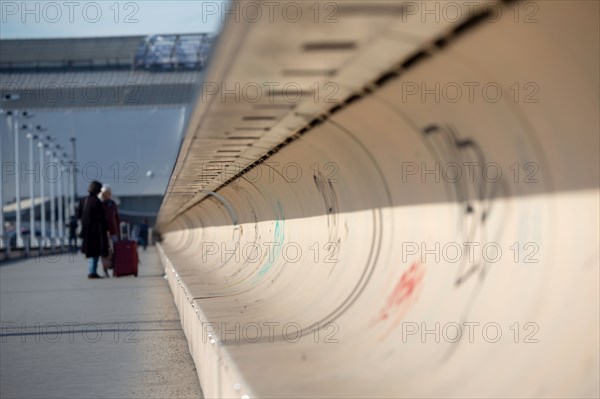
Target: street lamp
[(67, 187), (50, 154), (73, 141), (69, 193), (2, 185), (31, 137), (42, 146), (15, 124), (11, 97), (32, 242), (59, 186), (15, 128), (5, 98)]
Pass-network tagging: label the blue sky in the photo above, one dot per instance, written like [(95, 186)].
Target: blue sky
[(117, 147), (53, 19)]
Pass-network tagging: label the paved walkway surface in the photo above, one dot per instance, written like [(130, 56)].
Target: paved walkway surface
[(64, 336)]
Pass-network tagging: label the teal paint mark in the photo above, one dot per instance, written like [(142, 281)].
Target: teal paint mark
[(278, 238)]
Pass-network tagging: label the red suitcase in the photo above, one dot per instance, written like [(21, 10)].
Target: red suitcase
[(126, 257)]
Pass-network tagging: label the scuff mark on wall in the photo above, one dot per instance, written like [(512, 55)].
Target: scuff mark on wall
[(404, 294), (278, 237), (325, 188)]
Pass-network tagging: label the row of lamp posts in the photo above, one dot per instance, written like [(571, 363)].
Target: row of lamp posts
[(56, 178)]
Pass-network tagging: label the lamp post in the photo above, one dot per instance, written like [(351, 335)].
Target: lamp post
[(42, 147), (61, 159), (32, 240), (25, 114), (64, 181), (58, 201), (67, 187), (5, 98), (59, 189), (74, 171), (1, 196), (31, 137), (52, 205), (1, 187), (15, 126)]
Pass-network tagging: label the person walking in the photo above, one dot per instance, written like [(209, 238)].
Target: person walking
[(143, 234), (94, 230), (72, 226), (113, 221)]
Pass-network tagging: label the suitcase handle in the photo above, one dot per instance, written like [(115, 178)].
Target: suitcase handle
[(124, 224)]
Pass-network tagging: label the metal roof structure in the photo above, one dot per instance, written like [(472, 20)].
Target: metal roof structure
[(44, 53), (129, 71)]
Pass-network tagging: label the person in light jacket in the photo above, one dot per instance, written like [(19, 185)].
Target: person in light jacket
[(113, 222)]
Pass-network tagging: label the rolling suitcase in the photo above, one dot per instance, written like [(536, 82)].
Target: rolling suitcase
[(126, 256)]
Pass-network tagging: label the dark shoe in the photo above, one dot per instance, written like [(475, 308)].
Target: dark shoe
[(95, 275)]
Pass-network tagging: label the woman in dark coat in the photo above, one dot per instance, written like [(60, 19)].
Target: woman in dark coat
[(94, 230)]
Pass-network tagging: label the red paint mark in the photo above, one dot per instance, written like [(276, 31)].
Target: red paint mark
[(403, 295)]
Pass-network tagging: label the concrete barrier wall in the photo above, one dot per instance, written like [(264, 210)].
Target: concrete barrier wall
[(414, 246)]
